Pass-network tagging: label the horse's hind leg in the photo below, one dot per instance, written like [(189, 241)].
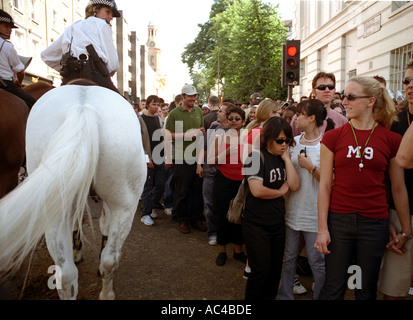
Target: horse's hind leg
[(77, 245), (59, 244), (118, 220)]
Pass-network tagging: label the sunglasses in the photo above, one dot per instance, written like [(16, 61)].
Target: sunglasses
[(281, 141), (352, 97), (407, 81), (232, 119), (322, 87)]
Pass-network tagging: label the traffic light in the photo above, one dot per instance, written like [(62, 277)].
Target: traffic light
[(291, 63)]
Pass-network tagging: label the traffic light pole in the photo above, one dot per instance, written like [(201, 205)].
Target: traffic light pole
[(290, 93)]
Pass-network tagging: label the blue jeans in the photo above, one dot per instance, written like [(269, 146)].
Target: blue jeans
[(355, 240), (154, 188), (315, 260), (168, 198), (208, 192)]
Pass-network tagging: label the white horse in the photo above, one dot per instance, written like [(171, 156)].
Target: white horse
[(78, 138)]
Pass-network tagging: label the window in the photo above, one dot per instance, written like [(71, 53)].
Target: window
[(18, 4), (399, 58), (34, 10), (352, 73), (19, 40), (54, 20), (395, 5)]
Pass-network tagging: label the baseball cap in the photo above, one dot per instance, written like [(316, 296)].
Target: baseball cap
[(189, 90)]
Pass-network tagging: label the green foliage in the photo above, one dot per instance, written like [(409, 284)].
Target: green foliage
[(244, 38)]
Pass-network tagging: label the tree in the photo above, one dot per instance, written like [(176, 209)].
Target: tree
[(246, 38)]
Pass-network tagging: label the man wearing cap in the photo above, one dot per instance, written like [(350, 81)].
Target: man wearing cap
[(10, 63), (255, 99), (185, 125), (86, 48)]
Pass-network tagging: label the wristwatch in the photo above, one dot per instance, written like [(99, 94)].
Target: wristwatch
[(405, 235)]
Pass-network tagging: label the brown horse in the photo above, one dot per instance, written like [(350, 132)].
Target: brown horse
[(13, 118)]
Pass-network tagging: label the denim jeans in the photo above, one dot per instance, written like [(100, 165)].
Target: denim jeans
[(168, 198), (208, 192), (315, 260), (154, 188), (355, 240)]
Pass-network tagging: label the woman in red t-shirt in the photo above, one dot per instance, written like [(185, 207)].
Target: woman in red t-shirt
[(228, 177), (352, 210)]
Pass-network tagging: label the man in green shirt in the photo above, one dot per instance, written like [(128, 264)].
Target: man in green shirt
[(185, 127)]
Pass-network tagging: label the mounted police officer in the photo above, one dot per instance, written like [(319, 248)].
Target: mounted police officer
[(10, 63), (86, 48)]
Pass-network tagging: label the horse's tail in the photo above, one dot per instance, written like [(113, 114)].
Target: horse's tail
[(55, 193)]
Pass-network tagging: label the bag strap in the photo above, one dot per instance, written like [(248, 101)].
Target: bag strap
[(246, 185)]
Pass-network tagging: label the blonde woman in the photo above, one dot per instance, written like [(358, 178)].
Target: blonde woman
[(266, 109), (353, 224)]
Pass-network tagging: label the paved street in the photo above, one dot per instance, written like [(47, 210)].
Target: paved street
[(158, 263)]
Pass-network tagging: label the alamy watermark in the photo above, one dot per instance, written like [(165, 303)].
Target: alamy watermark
[(55, 281), (354, 281), (187, 146)]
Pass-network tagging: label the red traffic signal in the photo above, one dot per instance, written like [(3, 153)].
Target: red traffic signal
[(291, 51), (291, 63)]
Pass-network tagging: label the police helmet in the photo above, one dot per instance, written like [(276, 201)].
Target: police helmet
[(109, 3), (6, 18)]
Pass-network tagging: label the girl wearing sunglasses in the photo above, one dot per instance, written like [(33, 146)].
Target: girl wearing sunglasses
[(353, 224), (263, 220), (225, 154), (301, 206)]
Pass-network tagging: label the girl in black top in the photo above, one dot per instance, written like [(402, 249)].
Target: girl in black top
[(263, 218)]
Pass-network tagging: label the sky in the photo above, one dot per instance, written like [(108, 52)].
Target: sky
[(177, 23)]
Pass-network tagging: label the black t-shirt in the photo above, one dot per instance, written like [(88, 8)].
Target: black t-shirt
[(272, 172), (401, 127), (209, 118), (152, 124)]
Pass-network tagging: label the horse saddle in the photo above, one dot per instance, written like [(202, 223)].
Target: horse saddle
[(82, 82)]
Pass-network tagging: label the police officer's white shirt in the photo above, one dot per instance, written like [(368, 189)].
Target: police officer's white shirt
[(9, 61), (92, 30)]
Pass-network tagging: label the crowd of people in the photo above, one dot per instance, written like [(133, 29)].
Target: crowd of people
[(320, 183), (323, 173)]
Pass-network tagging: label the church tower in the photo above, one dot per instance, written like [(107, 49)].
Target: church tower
[(153, 51)]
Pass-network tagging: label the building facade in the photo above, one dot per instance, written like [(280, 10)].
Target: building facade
[(40, 22), (350, 38)]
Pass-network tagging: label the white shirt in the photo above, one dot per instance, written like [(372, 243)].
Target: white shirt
[(92, 30), (9, 61), (301, 212)]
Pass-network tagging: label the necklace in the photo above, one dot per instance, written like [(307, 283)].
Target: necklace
[(361, 165), (311, 141), (408, 117)]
